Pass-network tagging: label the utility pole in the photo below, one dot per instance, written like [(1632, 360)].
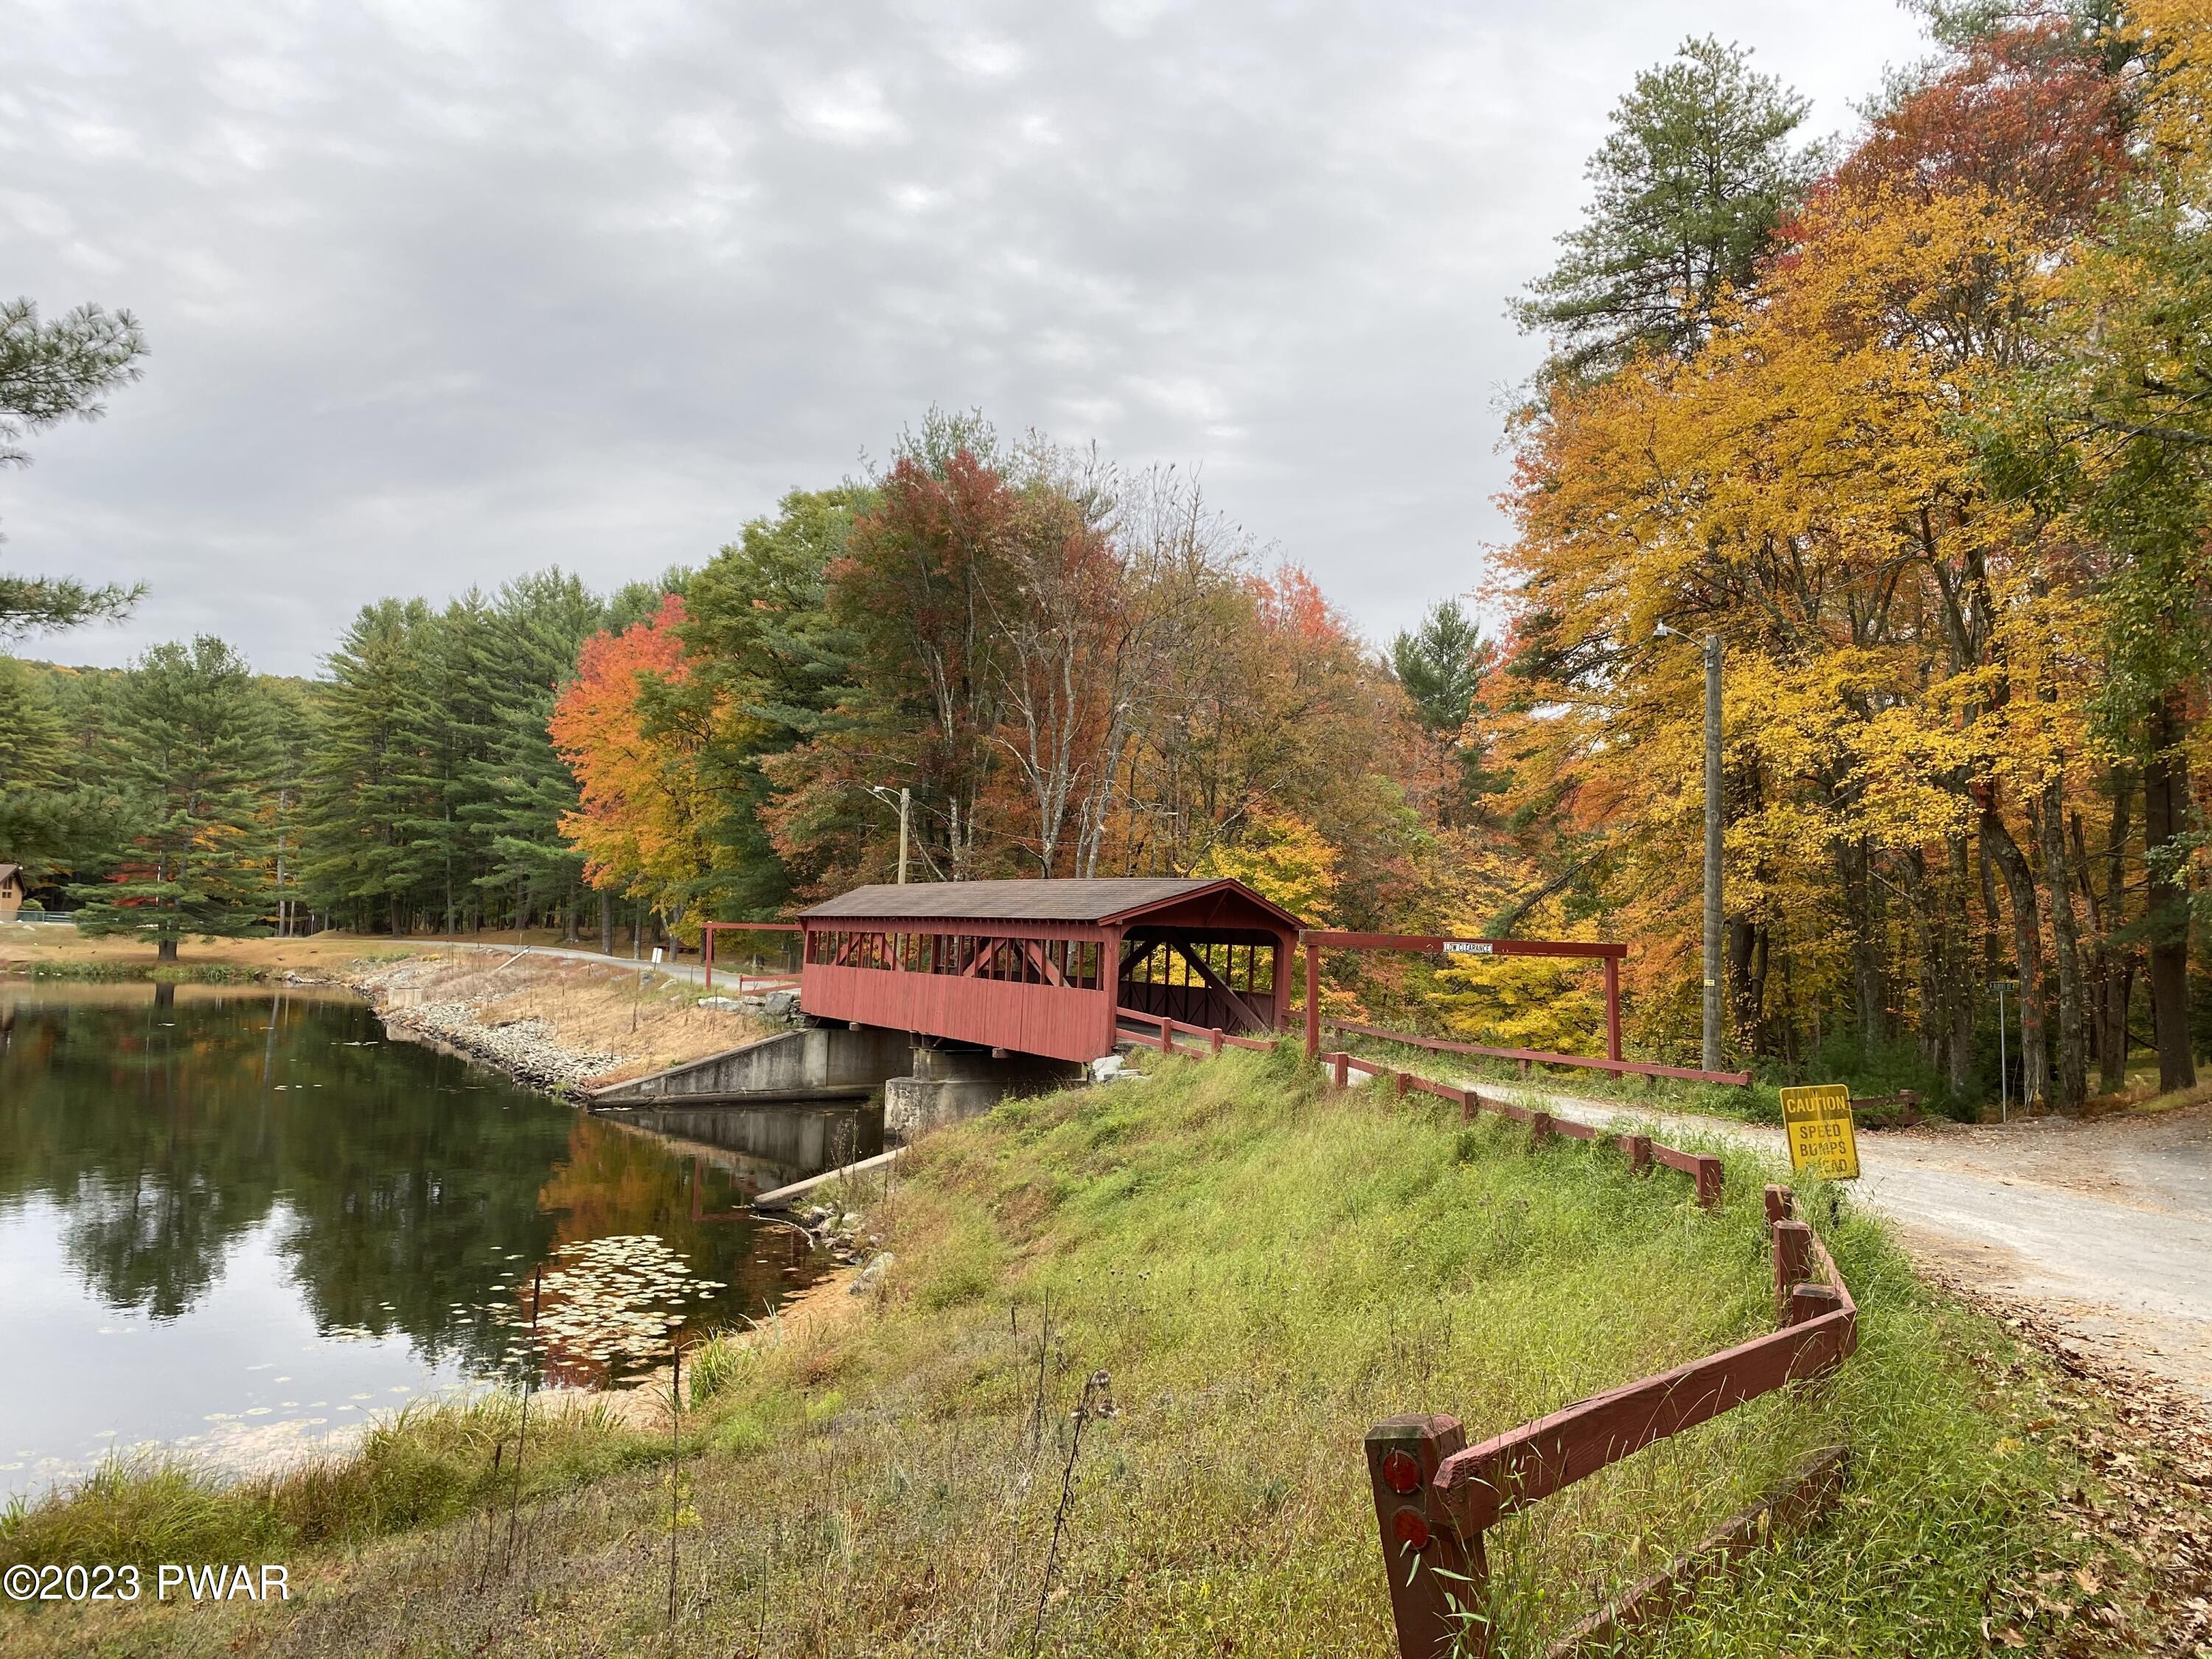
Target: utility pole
[(1711, 1059), (905, 807)]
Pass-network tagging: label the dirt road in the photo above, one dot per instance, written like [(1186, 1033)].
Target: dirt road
[(2105, 1227)]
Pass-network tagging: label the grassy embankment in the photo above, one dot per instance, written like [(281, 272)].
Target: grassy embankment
[(1261, 1270)]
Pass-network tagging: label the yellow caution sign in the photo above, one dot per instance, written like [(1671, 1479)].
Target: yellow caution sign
[(1819, 1122)]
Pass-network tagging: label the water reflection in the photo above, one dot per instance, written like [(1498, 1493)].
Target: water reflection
[(215, 1205)]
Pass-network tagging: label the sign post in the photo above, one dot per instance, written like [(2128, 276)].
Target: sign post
[(1818, 1119)]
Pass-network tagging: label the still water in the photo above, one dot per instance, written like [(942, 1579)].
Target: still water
[(241, 1224)]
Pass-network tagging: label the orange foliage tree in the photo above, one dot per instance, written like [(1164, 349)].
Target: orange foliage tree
[(645, 809)]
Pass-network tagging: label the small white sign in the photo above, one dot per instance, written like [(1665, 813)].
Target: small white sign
[(1466, 947), (656, 956)]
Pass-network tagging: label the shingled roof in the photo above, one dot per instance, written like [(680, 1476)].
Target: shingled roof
[(1099, 899)]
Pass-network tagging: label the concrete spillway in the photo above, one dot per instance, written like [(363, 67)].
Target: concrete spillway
[(823, 1095), (817, 1064)]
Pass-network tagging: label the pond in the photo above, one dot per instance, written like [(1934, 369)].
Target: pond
[(239, 1225)]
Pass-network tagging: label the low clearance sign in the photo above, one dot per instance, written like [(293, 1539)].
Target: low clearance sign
[(1818, 1123)]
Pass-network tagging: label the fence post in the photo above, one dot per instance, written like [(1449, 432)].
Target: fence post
[(1468, 1101), (1404, 1078), (1439, 1582), (1709, 1183), (1613, 1008), (1313, 1000), (1809, 1302), (1539, 1126), (1639, 1152), (1216, 1035), (1793, 1260), (1341, 1075), (1779, 1202)]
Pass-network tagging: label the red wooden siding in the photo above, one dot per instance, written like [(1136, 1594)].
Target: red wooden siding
[(1032, 1019)]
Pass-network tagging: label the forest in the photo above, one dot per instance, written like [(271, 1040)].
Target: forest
[(1916, 423)]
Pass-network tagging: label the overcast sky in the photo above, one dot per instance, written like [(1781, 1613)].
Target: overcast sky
[(439, 292)]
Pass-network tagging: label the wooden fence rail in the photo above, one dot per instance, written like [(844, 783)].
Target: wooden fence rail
[(1641, 1151), (1436, 1497), (1215, 1038), (1529, 1057)]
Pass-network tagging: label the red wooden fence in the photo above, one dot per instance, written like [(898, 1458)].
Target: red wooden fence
[(1642, 1150), (1435, 1496), (1214, 1037), (1529, 1057)]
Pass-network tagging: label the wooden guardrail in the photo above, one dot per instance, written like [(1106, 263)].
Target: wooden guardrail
[(1529, 1057), (1215, 1038), (1641, 1151), (1436, 1497)]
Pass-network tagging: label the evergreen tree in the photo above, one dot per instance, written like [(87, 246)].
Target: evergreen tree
[(1441, 667), (35, 756), (376, 803), (774, 669), (193, 748), (522, 787), (52, 372), (1698, 173)]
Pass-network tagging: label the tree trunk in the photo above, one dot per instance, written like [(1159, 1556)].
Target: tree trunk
[(1961, 986), (166, 950), (2116, 976), (1746, 979), (607, 924), (2027, 952), (1865, 902), (2165, 810), (2066, 950), (1923, 915)]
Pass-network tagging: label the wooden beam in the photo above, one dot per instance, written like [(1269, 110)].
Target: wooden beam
[(1807, 1492), (1533, 1462), (1214, 981), (1493, 947)]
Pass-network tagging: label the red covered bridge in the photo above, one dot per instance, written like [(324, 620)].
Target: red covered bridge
[(1048, 968)]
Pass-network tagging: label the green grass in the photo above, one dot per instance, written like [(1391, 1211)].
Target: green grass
[(419, 1467), (1261, 1269)]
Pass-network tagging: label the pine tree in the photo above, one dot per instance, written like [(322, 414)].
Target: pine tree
[(522, 787), (52, 372), (374, 800), (192, 747), (34, 753), (1698, 173)]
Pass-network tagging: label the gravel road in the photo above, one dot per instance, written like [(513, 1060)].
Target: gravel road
[(2103, 1227)]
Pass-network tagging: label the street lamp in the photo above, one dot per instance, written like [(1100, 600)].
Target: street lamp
[(1710, 1057)]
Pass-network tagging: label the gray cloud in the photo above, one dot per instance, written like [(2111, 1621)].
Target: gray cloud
[(439, 292)]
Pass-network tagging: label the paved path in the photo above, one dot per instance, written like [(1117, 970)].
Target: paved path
[(691, 971), (2104, 1227)]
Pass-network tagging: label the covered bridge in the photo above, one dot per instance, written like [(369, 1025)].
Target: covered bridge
[(1048, 968)]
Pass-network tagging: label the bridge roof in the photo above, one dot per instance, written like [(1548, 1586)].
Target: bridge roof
[(1099, 899)]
